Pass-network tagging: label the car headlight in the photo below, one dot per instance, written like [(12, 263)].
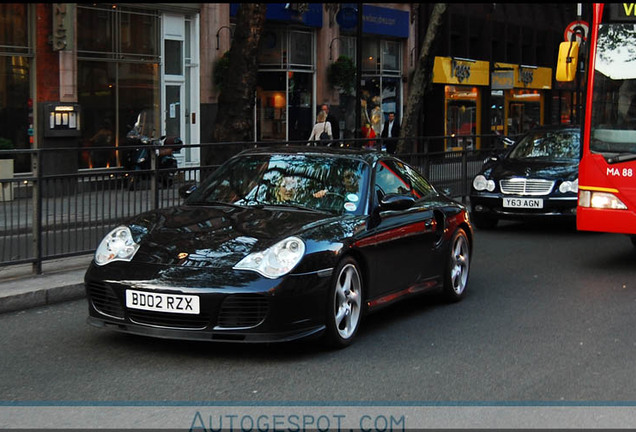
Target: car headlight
[(118, 245), (600, 200), (276, 260), (481, 183), (569, 186)]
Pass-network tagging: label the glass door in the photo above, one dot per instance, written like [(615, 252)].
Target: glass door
[(272, 106), (175, 120)]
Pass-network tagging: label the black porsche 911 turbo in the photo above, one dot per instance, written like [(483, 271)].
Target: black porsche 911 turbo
[(536, 178), (280, 244)]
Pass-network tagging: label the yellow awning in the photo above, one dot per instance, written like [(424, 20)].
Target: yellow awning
[(454, 70)]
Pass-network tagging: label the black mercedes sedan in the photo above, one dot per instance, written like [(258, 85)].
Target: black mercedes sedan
[(280, 244), (536, 178)]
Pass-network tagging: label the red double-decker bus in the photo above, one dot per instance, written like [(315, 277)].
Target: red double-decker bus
[(607, 171)]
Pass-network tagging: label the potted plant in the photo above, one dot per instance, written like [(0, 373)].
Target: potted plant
[(221, 66), (341, 75)]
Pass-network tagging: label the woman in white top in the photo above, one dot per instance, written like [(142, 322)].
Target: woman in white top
[(322, 125)]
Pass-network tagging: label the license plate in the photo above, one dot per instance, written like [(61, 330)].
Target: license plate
[(527, 203), (159, 302)]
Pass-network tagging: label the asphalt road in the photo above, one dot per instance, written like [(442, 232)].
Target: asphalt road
[(549, 316)]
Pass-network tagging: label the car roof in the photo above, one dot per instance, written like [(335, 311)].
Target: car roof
[(367, 155)]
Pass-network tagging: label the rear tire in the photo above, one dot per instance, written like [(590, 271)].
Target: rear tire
[(344, 304), (457, 267)]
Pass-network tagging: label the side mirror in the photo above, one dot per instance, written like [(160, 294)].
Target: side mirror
[(507, 142), (186, 190), (396, 202)]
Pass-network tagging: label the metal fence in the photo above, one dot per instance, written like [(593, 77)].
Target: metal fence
[(49, 216)]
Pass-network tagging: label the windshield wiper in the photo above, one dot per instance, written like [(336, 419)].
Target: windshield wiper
[(215, 203), (294, 206), (623, 157)]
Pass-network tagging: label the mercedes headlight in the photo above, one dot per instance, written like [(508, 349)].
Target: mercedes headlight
[(118, 245), (481, 183), (274, 261), (569, 186)]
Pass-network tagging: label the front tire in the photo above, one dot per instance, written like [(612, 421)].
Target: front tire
[(457, 267), (344, 305)]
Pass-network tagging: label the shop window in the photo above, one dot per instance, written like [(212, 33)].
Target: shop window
[(381, 84), (300, 105), (271, 105), (15, 69), (390, 56), (138, 33), (301, 51), (13, 28), (118, 33), (497, 114), (270, 50), (524, 111), (284, 104), (461, 116), (118, 79), (95, 31), (370, 56), (347, 47)]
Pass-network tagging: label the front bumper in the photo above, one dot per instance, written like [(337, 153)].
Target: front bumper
[(491, 205), (285, 309)]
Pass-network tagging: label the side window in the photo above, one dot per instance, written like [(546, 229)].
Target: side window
[(421, 187), (388, 179)]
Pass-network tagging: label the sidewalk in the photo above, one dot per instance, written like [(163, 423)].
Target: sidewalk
[(61, 280)]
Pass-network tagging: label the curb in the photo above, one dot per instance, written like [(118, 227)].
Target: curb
[(61, 281), (43, 297)]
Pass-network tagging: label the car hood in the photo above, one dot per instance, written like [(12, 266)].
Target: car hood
[(506, 168), (218, 237)]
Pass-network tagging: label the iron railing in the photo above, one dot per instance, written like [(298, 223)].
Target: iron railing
[(50, 216)]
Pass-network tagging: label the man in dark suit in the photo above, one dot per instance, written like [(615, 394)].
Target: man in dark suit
[(390, 133), (335, 125)]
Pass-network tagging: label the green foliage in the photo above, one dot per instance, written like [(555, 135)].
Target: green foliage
[(221, 67), (341, 75), (5, 144)]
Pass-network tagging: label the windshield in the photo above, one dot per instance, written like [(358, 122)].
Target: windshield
[(549, 146), (314, 182), (614, 95)]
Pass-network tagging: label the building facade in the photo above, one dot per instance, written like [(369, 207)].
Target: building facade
[(83, 75), (299, 42), (494, 70)]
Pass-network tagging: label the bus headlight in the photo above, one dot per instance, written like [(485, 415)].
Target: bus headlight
[(600, 200), (569, 186), (481, 183)]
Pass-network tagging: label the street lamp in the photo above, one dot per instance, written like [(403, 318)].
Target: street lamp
[(331, 43), (219, 31)]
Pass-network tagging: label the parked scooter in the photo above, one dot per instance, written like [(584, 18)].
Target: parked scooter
[(138, 158)]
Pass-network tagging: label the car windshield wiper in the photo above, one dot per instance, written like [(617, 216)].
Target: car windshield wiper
[(215, 203), (294, 206)]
